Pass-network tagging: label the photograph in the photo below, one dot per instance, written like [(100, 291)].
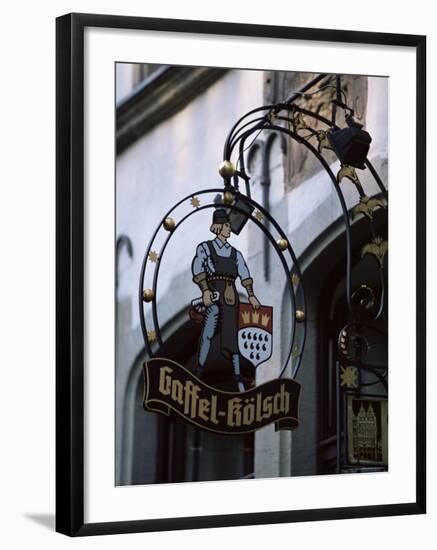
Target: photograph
[(219, 216), (251, 267)]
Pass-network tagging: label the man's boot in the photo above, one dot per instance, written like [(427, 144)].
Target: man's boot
[(237, 375)]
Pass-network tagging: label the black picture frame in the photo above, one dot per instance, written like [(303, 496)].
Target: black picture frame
[(70, 273)]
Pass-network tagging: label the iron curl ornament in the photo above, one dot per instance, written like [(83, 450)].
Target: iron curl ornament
[(350, 145)]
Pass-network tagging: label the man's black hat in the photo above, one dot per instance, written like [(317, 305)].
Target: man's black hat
[(220, 216)]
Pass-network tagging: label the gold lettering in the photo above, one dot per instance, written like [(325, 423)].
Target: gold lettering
[(259, 415), (192, 395), (267, 406), (240, 412), (234, 412), (248, 413), (204, 407), (165, 380), (188, 387), (285, 399), (213, 417), (190, 399), (177, 392), (276, 403)]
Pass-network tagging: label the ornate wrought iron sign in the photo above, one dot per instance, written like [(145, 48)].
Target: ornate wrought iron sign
[(245, 328)]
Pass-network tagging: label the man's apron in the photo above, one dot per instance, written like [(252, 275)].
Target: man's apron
[(223, 280)]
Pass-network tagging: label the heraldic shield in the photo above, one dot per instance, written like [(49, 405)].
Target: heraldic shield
[(255, 336)]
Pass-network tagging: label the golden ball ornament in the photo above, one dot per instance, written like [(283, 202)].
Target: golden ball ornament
[(169, 224), (148, 295), (282, 244), (227, 169), (228, 198), (300, 316)]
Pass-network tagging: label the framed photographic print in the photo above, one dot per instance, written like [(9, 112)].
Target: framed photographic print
[(227, 322)]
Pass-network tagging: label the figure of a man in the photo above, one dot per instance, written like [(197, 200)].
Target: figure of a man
[(215, 268)]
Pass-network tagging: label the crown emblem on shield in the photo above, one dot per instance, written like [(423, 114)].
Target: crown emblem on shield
[(246, 317), (249, 318), (255, 336)]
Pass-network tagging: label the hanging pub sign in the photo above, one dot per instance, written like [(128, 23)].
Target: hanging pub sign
[(171, 387), (218, 392)]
